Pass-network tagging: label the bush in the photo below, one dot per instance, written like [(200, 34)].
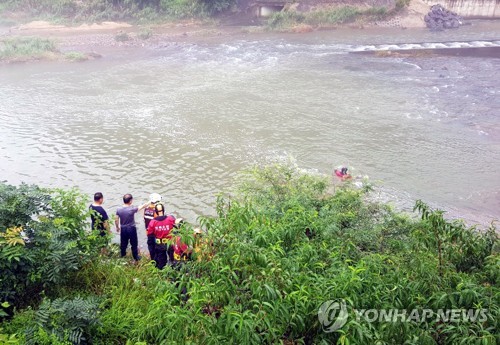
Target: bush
[(285, 20), (145, 34), (182, 9), (217, 6), (64, 321), (76, 56), (377, 13), (122, 37), (296, 21), (22, 48), (43, 241), (334, 16)]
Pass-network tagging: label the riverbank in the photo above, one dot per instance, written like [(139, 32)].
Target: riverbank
[(86, 41)]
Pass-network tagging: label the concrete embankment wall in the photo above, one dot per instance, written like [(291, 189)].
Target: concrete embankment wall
[(470, 8)]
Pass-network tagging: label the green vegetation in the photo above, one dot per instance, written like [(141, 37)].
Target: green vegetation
[(76, 56), (122, 37), (26, 48), (287, 20), (277, 249), (74, 11), (145, 33), (400, 4), (150, 11), (338, 16), (22, 49)]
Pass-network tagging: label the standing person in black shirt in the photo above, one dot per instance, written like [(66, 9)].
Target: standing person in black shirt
[(98, 215), (99, 219)]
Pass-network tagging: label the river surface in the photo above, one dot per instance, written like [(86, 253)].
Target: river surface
[(182, 119)]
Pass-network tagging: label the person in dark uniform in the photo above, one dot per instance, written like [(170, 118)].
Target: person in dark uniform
[(161, 227), (149, 214)]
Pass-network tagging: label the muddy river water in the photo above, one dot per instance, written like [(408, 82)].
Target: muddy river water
[(182, 119)]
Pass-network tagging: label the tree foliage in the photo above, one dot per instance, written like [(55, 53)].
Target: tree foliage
[(43, 241), (99, 10)]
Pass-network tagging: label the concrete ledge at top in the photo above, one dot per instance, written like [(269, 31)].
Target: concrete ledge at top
[(470, 8)]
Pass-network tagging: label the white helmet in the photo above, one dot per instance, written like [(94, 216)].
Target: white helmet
[(154, 198)]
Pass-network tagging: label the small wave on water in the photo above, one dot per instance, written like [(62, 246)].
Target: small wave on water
[(425, 45)]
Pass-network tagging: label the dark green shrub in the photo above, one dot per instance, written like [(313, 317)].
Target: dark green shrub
[(217, 6), (43, 241), (285, 19), (465, 248), (64, 321), (18, 205)]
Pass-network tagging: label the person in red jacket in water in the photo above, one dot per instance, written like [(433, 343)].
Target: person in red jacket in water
[(342, 173), (161, 227)]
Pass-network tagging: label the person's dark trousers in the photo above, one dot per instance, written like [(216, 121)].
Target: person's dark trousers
[(151, 246), (129, 234), (161, 255), (170, 252)]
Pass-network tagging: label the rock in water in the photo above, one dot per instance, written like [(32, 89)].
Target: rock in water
[(439, 18)]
